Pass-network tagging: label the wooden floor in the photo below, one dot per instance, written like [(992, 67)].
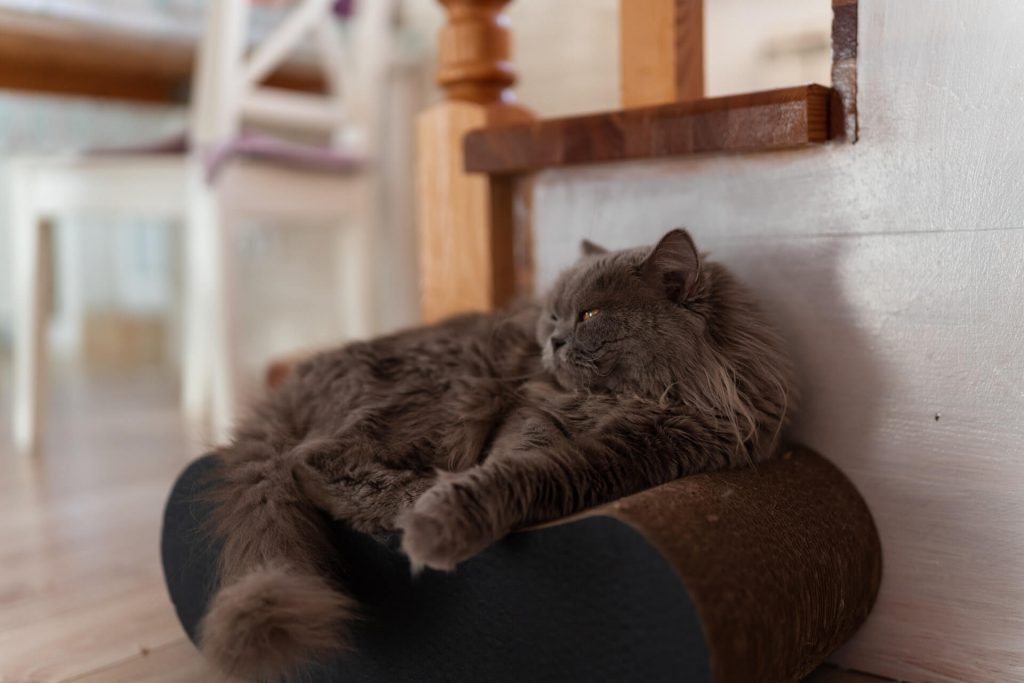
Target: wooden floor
[(81, 593)]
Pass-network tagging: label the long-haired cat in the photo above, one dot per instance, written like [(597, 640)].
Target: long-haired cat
[(639, 367)]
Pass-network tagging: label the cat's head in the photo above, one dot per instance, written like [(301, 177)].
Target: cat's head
[(663, 321), (615, 315)]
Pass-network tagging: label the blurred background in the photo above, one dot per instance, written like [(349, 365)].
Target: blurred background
[(117, 292)]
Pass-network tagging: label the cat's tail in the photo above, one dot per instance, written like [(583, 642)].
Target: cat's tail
[(277, 605)]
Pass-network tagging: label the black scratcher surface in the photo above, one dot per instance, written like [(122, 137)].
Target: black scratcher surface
[(589, 600)]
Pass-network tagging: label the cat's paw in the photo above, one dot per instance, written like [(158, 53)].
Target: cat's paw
[(436, 533)]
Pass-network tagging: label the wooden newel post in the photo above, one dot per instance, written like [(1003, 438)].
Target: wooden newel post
[(466, 230)]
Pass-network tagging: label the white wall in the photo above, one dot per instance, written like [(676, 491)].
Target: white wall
[(896, 269)]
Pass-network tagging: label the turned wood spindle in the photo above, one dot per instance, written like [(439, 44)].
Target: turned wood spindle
[(474, 52), (467, 235)]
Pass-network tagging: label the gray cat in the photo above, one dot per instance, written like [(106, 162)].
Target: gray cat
[(639, 367)]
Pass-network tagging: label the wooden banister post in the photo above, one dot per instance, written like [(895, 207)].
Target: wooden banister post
[(661, 51), (466, 231)]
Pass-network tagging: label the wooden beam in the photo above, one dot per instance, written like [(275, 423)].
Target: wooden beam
[(466, 229), (751, 122), (661, 49), (68, 58)]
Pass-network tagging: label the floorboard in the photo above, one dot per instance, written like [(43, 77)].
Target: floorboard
[(177, 662), (81, 592)]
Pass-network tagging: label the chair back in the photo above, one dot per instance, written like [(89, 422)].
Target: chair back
[(229, 73)]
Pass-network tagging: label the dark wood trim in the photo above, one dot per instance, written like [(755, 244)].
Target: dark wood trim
[(774, 119), (66, 58), (844, 69)]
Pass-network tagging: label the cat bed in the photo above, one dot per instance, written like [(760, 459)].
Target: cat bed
[(739, 576)]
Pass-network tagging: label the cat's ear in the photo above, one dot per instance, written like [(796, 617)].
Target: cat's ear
[(674, 265), (588, 248)]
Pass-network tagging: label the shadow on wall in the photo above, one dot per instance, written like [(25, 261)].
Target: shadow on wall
[(800, 283), (802, 286), (812, 288)]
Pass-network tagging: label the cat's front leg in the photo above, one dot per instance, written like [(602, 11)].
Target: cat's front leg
[(449, 523), (465, 512), (545, 476)]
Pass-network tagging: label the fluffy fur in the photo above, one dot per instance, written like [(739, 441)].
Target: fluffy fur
[(639, 367), (274, 611)]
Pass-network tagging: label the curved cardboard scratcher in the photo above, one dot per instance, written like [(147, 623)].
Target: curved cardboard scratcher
[(742, 576)]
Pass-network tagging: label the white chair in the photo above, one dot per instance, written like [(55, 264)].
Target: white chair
[(213, 183)]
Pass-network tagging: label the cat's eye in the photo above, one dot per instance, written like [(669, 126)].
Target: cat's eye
[(588, 314)]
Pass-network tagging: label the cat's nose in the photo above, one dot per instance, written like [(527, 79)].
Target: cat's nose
[(557, 342)]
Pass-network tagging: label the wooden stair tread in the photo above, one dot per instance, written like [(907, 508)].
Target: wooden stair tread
[(768, 120)]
